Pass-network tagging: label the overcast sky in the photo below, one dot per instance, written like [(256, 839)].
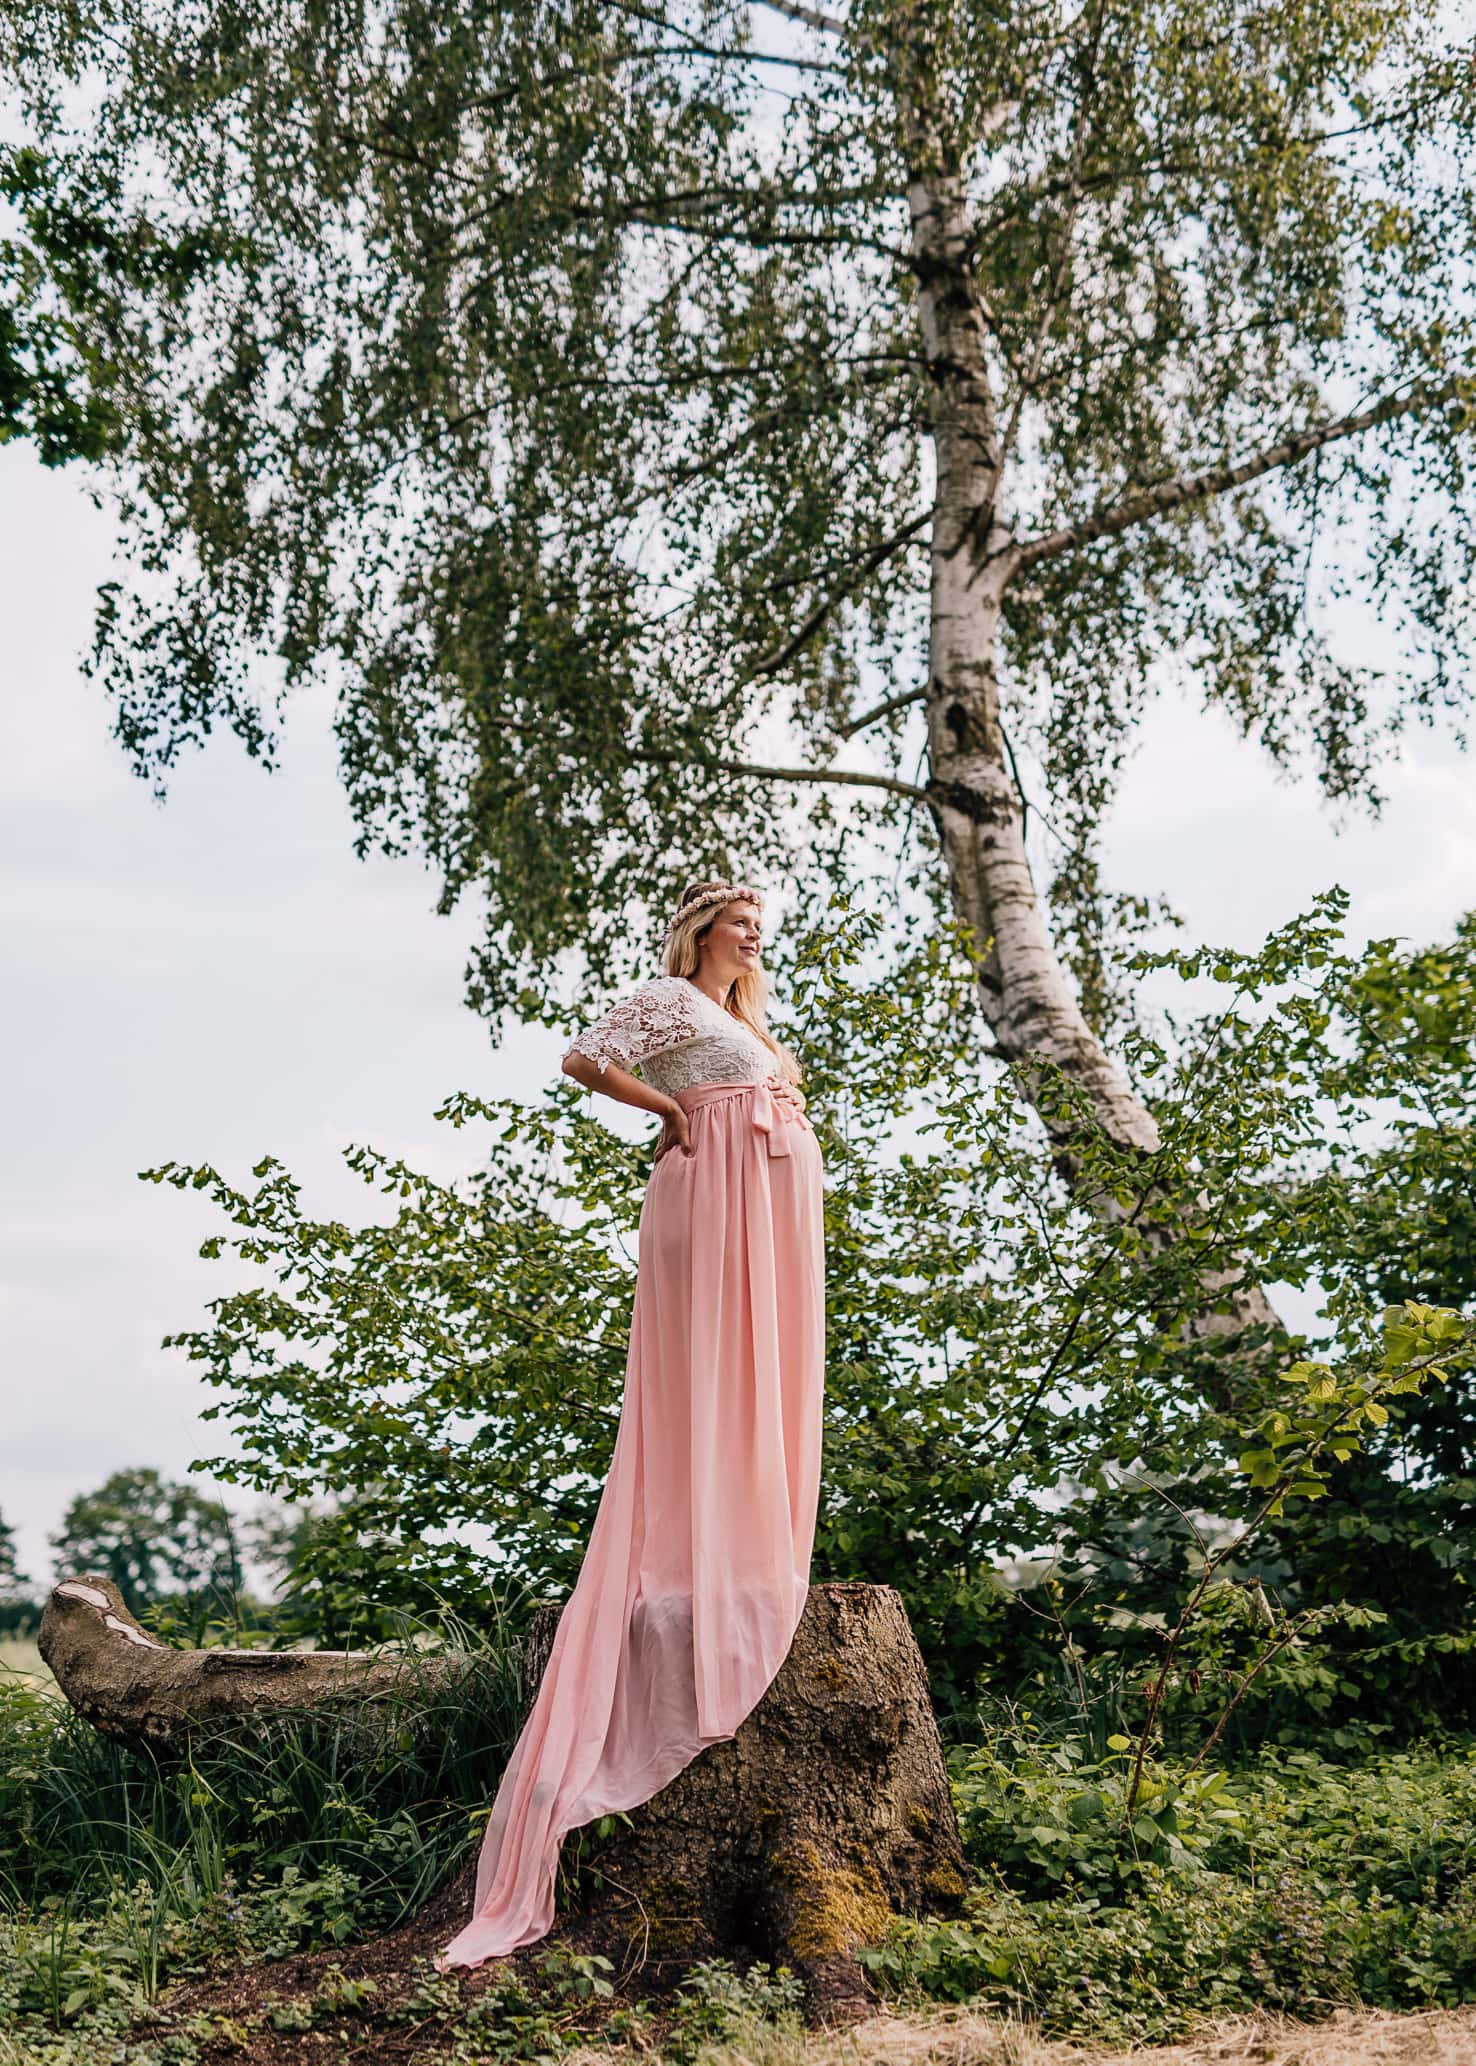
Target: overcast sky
[(218, 977)]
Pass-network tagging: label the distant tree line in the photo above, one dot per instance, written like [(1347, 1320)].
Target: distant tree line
[(179, 1556)]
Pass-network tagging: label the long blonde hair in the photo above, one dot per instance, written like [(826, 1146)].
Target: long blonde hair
[(748, 993)]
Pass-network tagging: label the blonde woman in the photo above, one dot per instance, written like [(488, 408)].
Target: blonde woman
[(698, 1562)]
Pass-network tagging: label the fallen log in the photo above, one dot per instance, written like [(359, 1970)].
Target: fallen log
[(794, 1842), (138, 1690)]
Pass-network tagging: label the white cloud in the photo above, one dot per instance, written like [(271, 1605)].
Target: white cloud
[(1435, 804), (1238, 849)]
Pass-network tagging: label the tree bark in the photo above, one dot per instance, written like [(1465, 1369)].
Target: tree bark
[(797, 1840), (1026, 998)]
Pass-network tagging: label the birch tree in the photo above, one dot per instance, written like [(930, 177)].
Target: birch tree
[(684, 434)]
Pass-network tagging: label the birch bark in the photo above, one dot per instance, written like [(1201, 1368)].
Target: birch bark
[(1028, 1002), (1026, 998)]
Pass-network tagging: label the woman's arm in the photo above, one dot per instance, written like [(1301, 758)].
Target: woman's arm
[(626, 1089)]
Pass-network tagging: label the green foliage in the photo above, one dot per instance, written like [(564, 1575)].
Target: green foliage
[(52, 380), (10, 1573), (1322, 1418), (1290, 1884), (548, 2016), (1288, 1881), (1398, 1217), (79, 1984), (717, 2005), (1048, 1812), (80, 1976), (562, 398), (1012, 1372), (513, 2021), (17, 1609), (352, 1820), (120, 1873), (155, 1539)]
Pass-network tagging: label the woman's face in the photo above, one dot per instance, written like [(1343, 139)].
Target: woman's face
[(732, 944)]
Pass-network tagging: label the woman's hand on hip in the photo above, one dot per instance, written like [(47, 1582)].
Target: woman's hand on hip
[(675, 1132)]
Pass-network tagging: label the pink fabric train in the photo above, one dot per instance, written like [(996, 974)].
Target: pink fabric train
[(698, 1562)]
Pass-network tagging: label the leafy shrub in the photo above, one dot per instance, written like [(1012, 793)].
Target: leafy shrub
[(997, 1349), (1290, 1883), (1046, 1813), (716, 2004)]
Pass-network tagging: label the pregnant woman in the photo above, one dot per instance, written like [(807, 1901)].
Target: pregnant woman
[(698, 1561)]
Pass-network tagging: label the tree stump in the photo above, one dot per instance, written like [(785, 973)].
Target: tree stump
[(798, 1839)]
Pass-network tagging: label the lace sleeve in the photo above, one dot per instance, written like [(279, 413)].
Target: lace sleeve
[(659, 1016)]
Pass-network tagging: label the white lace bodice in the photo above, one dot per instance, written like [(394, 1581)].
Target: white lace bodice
[(679, 1037)]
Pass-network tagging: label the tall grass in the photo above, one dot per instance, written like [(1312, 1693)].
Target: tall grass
[(19, 1658), (389, 1791)]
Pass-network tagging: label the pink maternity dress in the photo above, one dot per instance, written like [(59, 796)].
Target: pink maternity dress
[(698, 1561)]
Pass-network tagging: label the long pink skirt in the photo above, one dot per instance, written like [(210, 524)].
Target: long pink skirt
[(698, 1562)]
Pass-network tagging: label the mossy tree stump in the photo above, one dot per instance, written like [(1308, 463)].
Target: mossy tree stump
[(797, 1840)]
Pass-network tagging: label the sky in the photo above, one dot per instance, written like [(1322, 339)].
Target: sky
[(217, 977)]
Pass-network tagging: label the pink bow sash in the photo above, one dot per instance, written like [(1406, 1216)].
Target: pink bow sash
[(768, 1114)]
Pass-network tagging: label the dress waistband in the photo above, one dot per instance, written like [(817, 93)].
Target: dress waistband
[(770, 1116)]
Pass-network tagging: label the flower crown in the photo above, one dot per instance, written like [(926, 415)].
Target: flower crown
[(702, 894)]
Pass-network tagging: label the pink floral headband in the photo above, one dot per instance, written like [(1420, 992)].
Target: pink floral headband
[(705, 893)]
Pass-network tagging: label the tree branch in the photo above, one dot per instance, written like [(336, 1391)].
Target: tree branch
[(812, 17), (1169, 496), (1022, 199), (880, 710), (573, 75), (694, 212), (851, 778), (782, 655), (1031, 373), (737, 233), (659, 21), (848, 776)]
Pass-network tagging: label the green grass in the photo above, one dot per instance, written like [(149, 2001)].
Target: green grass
[(19, 1658), (387, 1793), (120, 1870), (1288, 1881)]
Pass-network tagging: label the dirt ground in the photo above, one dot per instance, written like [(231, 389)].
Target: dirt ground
[(961, 2038)]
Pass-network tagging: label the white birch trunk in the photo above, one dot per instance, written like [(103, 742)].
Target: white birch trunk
[(1026, 997)]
